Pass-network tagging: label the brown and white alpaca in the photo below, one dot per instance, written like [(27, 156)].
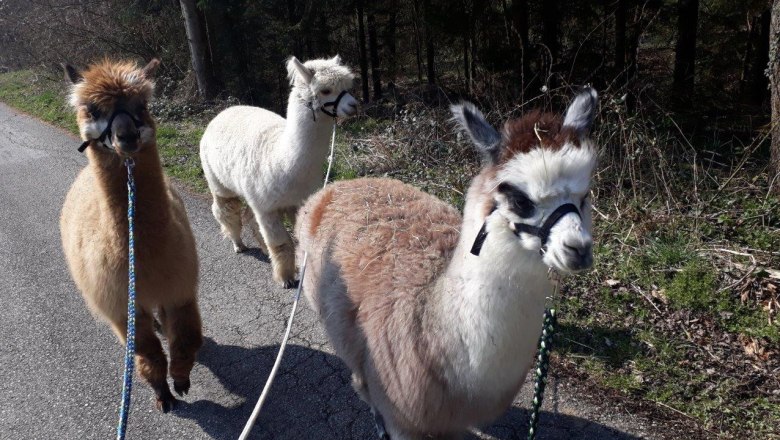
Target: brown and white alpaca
[(440, 339), (94, 225)]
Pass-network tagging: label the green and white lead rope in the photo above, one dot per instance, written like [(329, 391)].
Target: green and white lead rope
[(542, 365)]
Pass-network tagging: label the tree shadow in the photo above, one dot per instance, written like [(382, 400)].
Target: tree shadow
[(312, 398), (513, 425)]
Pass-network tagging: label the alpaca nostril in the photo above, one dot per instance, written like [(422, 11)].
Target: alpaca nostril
[(127, 137), (579, 257)]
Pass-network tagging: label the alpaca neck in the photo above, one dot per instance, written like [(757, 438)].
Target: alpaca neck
[(152, 202), (496, 300), (306, 135)]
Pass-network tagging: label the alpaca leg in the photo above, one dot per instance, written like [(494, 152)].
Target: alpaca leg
[(249, 219), (227, 211), (280, 247), (185, 337), (379, 424), (360, 387), (150, 361)]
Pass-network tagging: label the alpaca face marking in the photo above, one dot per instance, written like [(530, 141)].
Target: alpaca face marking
[(549, 180), (540, 163)]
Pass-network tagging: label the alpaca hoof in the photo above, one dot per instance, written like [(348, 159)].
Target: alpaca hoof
[(181, 387), (165, 404), (290, 284), (379, 424), (239, 248)]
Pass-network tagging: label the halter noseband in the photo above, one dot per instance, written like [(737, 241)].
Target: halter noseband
[(334, 104), (107, 132), (543, 233)]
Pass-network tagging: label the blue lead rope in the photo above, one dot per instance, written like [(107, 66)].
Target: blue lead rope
[(127, 383)]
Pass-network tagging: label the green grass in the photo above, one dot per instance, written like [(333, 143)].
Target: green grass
[(39, 96), (46, 99), (178, 146), (693, 287)]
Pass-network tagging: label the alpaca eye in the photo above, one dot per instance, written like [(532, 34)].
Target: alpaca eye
[(523, 206), (93, 111), (325, 92), (519, 203)]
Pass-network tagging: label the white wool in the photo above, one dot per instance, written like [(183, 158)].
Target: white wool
[(271, 162)]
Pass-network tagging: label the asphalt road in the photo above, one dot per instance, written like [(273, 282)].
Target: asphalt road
[(60, 369)]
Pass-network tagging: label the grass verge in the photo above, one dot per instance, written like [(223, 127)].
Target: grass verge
[(45, 97)]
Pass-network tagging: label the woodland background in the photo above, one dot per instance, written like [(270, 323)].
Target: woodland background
[(679, 317)]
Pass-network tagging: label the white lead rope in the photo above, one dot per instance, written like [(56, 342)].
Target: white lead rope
[(256, 412)]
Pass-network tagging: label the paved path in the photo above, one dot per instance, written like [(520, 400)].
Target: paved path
[(60, 370)]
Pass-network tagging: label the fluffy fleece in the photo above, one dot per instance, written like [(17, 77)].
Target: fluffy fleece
[(439, 339), (271, 163), (93, 226)]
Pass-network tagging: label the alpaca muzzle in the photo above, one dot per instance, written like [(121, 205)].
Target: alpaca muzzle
[(334, 104), (122, 134), (542, 232)]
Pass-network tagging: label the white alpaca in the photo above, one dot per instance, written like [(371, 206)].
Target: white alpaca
[(273, 163), (436, 315)]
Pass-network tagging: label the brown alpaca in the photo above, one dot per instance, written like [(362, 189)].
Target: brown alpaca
[(94, 226), (438, 315)]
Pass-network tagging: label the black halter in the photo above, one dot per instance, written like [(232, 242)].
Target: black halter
[(107, 132), (543, 233), (334, 104)]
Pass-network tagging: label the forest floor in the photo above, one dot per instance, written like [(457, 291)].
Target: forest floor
[(679, 315)]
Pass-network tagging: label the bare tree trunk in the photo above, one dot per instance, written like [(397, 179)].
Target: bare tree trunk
[(758, 80), (466, 65), (620, 40), (362, 50), (391, 61), (429, 49), (373, 50), (196, 37), (774, 78), (417, 47), (685, 51), (295, 28), (472, 10), (519, 14), (550, 21)]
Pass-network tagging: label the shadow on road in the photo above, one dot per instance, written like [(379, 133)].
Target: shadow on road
[(312, 399), (257, 254)]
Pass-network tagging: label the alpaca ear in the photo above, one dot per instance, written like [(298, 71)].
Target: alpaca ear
[(71, 74), (485, 137), (336, 59), (293, 66), (582, 111), (151, 68)]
